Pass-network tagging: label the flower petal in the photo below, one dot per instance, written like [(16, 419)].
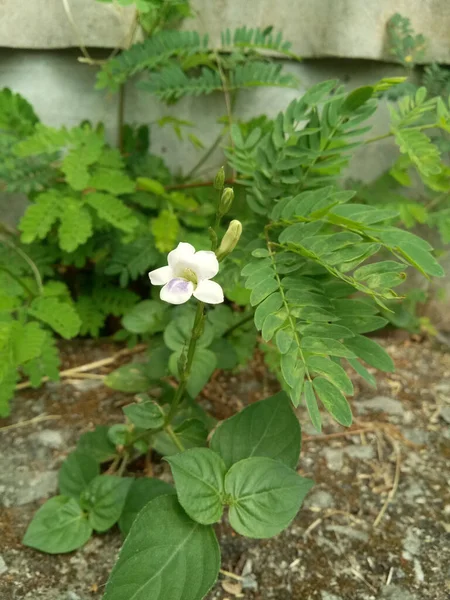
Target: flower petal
[(177, 291), (209, 292), (205, 264), (161, 276), (182, 252)]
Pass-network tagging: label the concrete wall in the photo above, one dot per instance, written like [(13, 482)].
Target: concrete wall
[(317, 28)]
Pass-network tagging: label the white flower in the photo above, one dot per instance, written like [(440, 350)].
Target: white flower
[(188, 274)]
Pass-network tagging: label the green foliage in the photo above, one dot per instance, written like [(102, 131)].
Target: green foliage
[(60, 525), (174, 57), (190, 550), (264, 496), (199, 476), (172, 83), (257, 431), (315, 270), (407, 47)]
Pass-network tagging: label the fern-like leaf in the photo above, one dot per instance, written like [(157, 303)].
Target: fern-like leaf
[(7, 387), (130, 261), (113, 211), (156, 51), (171, 83), (92, 317), (256, 39), (420, 149), (165, 229), (27, 341), (45, 365), (60, 316), (111, 180), (16, 114), (40, 216), (76, 225), (114, 301)]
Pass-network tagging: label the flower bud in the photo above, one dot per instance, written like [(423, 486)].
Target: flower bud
[(219, 179), (226, 201), (229, 240)]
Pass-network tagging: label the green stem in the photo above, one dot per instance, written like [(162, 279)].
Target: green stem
[(379, 137), (175, 439), (243, 321), (184, 376), (204, 158), (121, 117), (123, 464)]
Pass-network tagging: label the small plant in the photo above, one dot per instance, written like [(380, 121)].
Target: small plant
[(280, 254), (303, 263)]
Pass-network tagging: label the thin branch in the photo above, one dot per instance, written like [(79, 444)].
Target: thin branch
[(205, 157), (379, 137), (226, 93), (28, 260), (185, 186), (76, 30), (38, 419), (18, 280)]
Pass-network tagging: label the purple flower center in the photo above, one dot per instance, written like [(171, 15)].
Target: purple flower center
[(179, 285)]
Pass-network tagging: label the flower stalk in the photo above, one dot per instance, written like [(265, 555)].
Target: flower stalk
[(197, 330)]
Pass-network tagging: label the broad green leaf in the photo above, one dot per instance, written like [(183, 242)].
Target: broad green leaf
[(199, 476), (146, 415), (104, 499), (191, 433), (311, 405), (131, 378), (145, 317), (370, 352), (165, 556), (141, 492), (264, 496), (362, 371), (76, 472), (332, 371), (266, 428), (58, 526), (97, 444), (333, 400)]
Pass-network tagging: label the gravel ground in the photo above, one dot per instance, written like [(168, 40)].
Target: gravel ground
[(375, 527)]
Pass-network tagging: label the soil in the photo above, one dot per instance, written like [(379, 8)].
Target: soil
[(375, 526)]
